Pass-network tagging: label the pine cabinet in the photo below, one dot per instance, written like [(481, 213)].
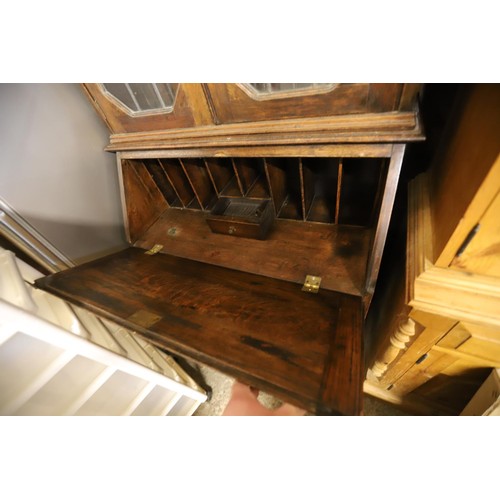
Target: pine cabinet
[(441, 339)]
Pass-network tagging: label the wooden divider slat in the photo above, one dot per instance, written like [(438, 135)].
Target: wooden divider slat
[(160, 178), (199, 180), (277, 182), (247, 172), (339, 189), (177, 177), (220, 171), (306, 188)]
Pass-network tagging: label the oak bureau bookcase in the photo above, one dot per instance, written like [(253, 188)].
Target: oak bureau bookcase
[(257, 216)]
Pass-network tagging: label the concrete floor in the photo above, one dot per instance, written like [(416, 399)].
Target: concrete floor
[(221, 392)]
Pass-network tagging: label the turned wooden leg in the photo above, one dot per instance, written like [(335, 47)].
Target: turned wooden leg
[(397, 342)]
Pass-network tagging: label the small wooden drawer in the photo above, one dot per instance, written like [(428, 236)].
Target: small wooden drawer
[(242, 217)]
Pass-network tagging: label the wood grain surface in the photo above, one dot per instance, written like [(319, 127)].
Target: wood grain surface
[(467, 155), (199, 179), (291, 251), (144, 200), (304, 348), (160, 178), (220, 171), (366, 129), (190, 109), (233, 105), (179, 180)]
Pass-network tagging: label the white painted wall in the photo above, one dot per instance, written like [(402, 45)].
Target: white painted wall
[(54, 171)]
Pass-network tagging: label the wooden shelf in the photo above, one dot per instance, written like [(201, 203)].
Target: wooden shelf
[(321, 180), (284, 183), (327, 190)]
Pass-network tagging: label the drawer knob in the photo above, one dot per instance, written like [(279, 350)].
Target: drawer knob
[(231, 230)]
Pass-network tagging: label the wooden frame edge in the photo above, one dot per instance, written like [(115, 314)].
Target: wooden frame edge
[(409, 403)]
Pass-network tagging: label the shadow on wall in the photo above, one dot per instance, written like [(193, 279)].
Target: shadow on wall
[(81, 242)]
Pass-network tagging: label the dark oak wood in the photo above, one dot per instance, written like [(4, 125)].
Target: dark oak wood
[(220, 171), (144, 201), (304, 348), (285, 186), (382, 226), (260, 188), (384, 96), (210, 103), (218, 115), (161, 180), (247, 170), (383, 168), (319, 159), (242, 218), (232, 189), (306, 188), (190, 110), (320, 211), (300, 189), (337, 391), (321, 175), (360, 182), (179, 180), (291, 208), (339, 189), (276, 177), (399, 129), (292, 250), (305, 150), (194, 205), (234, 105), (409, 96), (199, 180)]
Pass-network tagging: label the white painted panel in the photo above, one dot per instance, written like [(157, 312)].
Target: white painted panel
[(48, 367), (155, 402), (114, 396), (59, 393), (184, 407), (22, 359)]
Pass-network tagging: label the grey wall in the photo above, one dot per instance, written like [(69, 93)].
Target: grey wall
[(53, 170)]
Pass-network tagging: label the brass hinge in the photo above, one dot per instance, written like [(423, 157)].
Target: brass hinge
[(154, 249), (311, 284), (144, 318)]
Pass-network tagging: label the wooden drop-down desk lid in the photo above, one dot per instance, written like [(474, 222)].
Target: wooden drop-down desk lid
[(304, 348)]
